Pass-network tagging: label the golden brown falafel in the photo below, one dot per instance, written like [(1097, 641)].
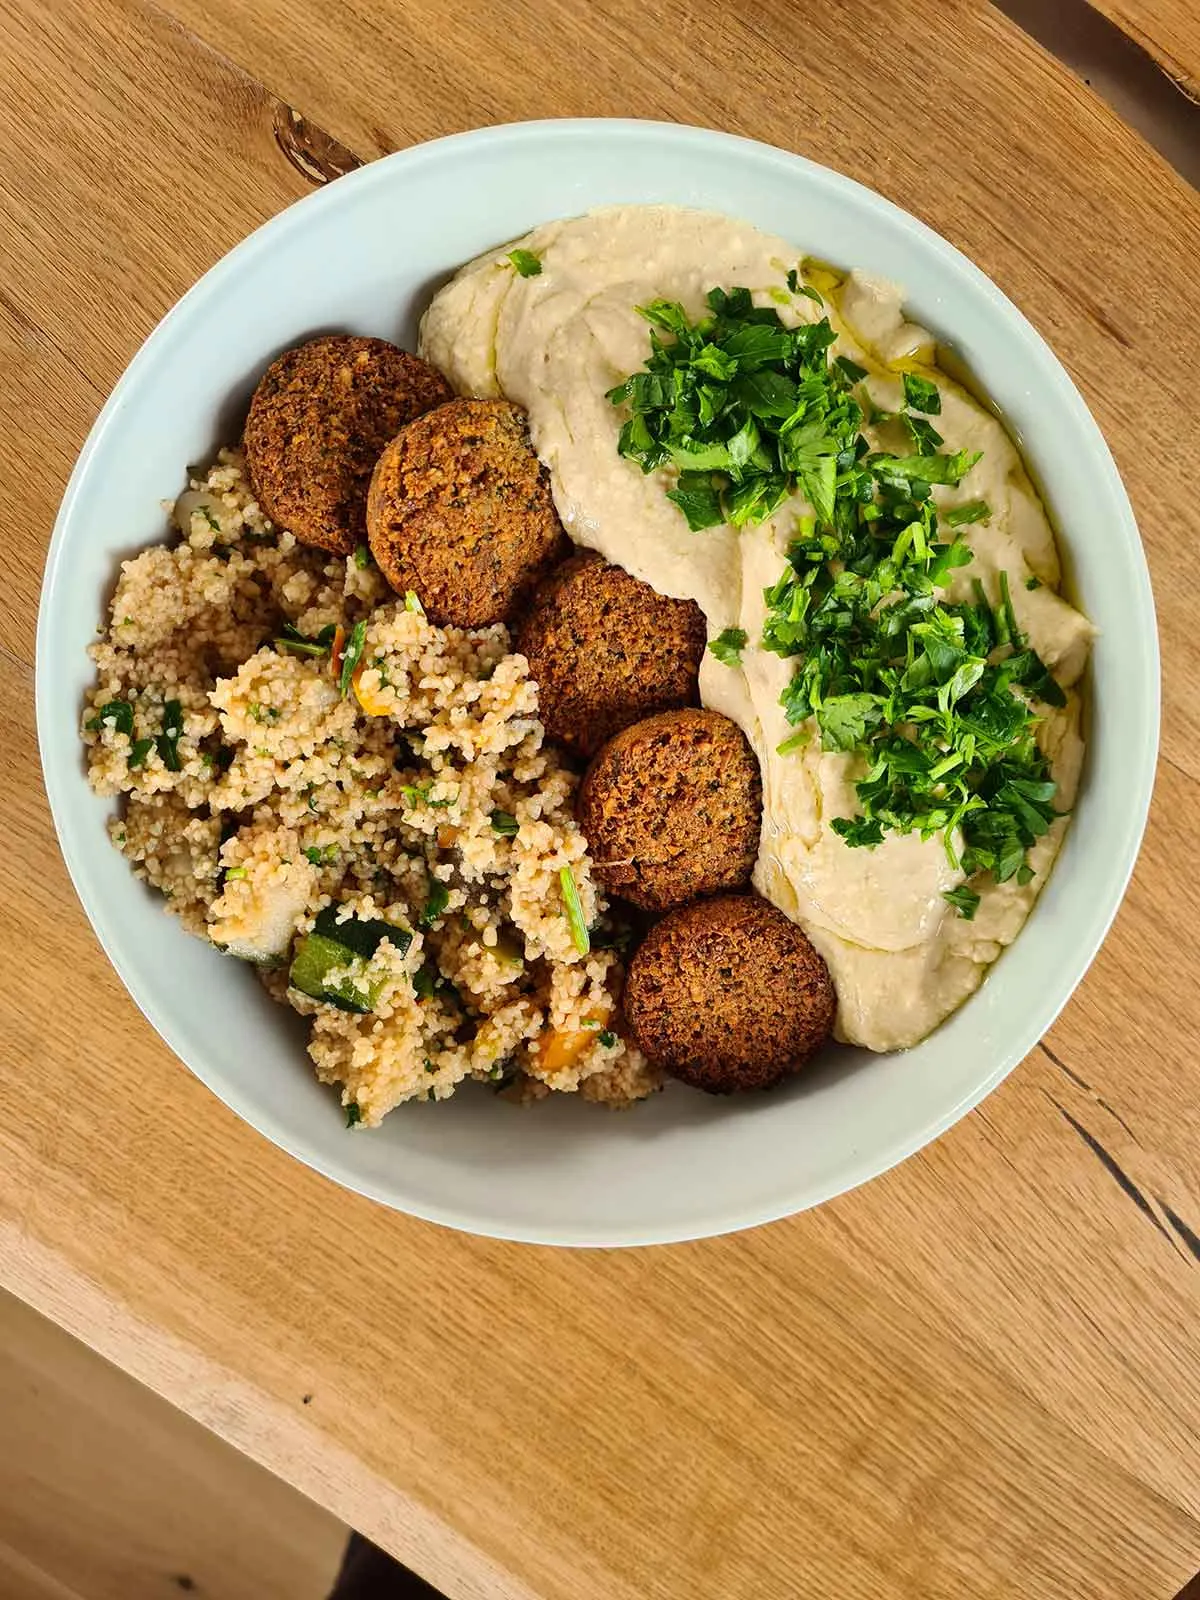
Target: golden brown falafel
[(672, 808), (321, 414), (459, 511), (728, 994), (607, 650)]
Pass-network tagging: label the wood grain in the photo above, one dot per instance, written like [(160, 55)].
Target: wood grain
[(978, 1376), (108, 1493), (1168, 29)]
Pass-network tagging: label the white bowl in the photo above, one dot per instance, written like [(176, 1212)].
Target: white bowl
[(364, 255)]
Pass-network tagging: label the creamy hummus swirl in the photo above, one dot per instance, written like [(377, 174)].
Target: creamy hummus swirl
[(901, 958)]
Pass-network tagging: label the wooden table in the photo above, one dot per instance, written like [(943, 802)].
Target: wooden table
[(977, 1377), (1169, 30)]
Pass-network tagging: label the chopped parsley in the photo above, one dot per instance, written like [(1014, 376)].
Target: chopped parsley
[(411, 603), (698, 497), (116, 714), (321, 855), (923, 434), (505, 824), (965, 901), (526, 263), (362, 557), (607, 1038), (971, 511), (850, 370), (301, 644), (746, 410), (1033, 583), (793, 280), (137, 756), (416, 795), (574, 910), (352, 655), (940, 701), (209, 518), (921, 395), (728, 646), (353, 1114), (168, 740), (436, 902)]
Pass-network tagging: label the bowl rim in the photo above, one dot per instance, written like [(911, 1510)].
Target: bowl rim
[(61, 783)]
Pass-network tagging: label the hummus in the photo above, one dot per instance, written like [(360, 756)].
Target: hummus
[(901, 958)]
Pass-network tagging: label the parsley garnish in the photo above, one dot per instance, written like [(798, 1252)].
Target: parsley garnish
[(416, 795), (505, 824), (362, 556), (574, 910), (116, 714), (698, 498), (301, 644), (353, 1114), (939, 700), (526, 263), (921, 395), (971, 511), (437, 901), (321, 856), (923, 434), (607, 1038), (728, 646), (749, 412), (965, 901), (137, 756), (352, 655), (1033, 583), (168, 740)]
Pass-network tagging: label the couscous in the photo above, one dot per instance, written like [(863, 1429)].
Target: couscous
[(360, 804)]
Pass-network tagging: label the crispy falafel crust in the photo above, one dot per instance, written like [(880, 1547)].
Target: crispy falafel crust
[(607, 650), (728, 994), (672, 809), (459, 511), (319, 418)]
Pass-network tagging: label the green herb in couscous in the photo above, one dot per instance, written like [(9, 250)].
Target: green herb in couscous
[(359, 804)]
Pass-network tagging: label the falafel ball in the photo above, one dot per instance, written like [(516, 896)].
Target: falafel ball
[(607, 650), (672, 808), (321, 414), (459, 511), (729, 994)]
